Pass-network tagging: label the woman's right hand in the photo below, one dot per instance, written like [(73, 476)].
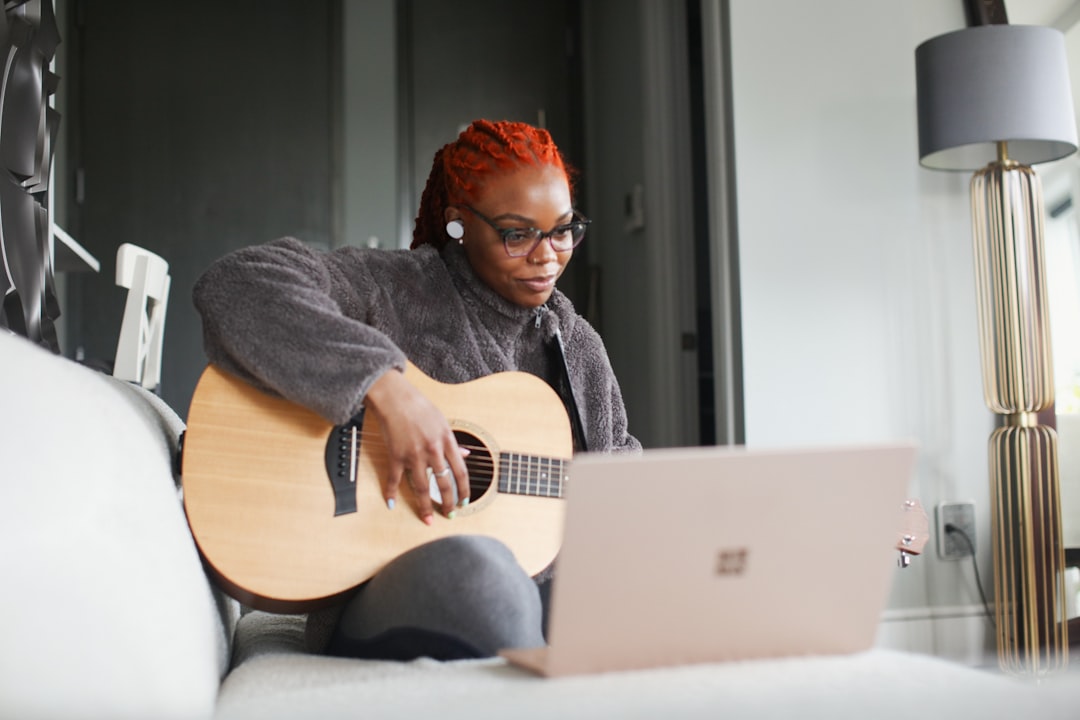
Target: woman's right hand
[(417, 437)]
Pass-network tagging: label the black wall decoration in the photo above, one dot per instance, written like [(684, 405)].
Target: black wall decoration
[(28, 130)]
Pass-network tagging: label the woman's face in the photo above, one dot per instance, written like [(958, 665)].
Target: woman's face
[(533, 197)]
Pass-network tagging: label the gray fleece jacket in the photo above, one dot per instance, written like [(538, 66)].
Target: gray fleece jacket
[(320, 328)]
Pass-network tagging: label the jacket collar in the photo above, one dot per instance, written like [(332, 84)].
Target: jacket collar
[(475, 291)]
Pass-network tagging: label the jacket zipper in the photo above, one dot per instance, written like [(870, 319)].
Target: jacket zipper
[(539, 315)]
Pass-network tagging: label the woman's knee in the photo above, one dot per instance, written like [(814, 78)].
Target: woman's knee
[(469, 587), (476, 553)]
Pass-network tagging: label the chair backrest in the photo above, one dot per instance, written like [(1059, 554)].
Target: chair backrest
[(138, 351)]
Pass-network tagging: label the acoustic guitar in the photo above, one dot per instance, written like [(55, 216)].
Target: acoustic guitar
[(287, 509)]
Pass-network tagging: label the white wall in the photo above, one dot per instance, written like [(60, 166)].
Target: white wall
[(858, 303), (1061, 180)]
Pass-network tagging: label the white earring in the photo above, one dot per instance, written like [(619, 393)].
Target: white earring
[(455, 229)]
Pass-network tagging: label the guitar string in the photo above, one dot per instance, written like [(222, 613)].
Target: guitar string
[(553, 475), (515, 472), (375, 439), (534, 482)]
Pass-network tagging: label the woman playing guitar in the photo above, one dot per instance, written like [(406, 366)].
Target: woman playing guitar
[(334, 332)]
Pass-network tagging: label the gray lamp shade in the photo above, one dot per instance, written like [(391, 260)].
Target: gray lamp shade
[(991, 83)]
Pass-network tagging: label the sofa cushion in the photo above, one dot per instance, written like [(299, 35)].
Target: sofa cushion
[(107, 610), (275, 678)]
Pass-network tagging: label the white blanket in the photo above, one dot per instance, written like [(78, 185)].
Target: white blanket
[(275, 679)]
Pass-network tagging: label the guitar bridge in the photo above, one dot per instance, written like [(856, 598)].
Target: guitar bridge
[(342, 453)]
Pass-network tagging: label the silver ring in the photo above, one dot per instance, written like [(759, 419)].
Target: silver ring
[(444, 472)]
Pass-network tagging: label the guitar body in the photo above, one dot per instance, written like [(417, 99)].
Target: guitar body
[(263, 510)]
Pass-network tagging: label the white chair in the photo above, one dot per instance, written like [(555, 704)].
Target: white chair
[(138, 352)]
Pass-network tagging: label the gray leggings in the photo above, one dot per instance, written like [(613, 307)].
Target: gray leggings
[(463, 596)]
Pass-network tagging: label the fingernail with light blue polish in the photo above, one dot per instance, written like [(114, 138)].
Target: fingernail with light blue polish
[(390, 503)]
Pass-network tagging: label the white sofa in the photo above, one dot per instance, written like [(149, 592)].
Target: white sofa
[(108, 614)]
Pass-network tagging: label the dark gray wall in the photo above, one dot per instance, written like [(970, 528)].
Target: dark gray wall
[(198, 127), (230, 129), (614, 110)]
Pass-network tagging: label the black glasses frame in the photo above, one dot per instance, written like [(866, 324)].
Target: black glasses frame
[(537, 234)]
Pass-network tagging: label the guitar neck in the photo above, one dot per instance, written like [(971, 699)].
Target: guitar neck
[(532, 475)]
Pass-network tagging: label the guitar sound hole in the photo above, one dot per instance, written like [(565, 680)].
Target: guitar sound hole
[(481, 466)]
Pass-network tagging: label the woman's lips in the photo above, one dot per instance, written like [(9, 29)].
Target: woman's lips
[(539, 284)]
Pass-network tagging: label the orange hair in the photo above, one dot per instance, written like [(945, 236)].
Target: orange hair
[(461, 168)]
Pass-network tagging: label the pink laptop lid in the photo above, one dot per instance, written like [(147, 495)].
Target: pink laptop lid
[(707, 554)]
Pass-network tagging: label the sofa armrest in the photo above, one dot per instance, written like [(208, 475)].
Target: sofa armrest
[(108, 611)]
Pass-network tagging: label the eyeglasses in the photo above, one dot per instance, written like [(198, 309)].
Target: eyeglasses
[(520, 242)]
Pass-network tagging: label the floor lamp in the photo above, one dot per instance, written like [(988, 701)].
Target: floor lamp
[(996, 99)]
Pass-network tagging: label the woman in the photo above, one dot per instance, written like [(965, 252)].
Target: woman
[(475, 295)]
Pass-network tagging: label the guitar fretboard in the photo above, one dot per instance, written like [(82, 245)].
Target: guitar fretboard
[(532, 475)]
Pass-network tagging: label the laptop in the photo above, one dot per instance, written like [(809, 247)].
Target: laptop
[(710, 554)]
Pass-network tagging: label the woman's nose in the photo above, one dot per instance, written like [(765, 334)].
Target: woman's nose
[(543, 253)]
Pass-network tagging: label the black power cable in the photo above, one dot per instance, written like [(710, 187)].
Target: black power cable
[(950, 528)]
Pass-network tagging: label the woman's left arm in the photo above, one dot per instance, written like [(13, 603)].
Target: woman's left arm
[(621, 439), (603, 411)]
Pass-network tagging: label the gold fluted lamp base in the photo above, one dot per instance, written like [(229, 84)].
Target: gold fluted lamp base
[(1029, 559), (1017, 369)]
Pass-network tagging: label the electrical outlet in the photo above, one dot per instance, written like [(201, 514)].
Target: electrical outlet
[(953, 545)]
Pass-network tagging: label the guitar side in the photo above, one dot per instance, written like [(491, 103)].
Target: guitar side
[(262, 509)]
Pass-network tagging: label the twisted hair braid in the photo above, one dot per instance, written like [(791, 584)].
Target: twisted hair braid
[(461, 168)]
